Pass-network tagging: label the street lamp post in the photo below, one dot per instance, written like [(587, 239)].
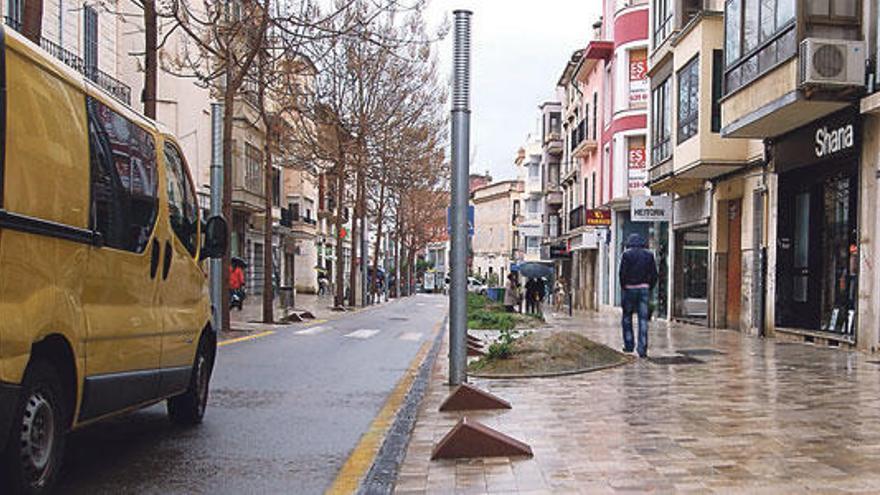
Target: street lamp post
[(459, 207), (217, 208)]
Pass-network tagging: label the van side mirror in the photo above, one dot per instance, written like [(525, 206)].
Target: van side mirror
[(216, 238)]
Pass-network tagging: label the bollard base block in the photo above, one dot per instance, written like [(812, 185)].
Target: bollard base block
[(466, 397), (470, 439)]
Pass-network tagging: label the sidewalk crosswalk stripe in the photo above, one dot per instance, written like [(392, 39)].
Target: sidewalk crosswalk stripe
[(415, 336), (313, 330), (362, 333)]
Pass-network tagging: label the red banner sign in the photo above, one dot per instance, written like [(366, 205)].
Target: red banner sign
[(598, 218)]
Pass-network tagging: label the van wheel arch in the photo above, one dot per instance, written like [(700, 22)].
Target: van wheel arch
[(57, 351)]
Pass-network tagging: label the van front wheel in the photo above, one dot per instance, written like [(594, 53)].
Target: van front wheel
[(189, 408), (36, 444)]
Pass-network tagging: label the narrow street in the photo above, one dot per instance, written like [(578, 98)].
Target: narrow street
[(284, 414)]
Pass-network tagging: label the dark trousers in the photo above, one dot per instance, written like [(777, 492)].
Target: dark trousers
[(635, 301)]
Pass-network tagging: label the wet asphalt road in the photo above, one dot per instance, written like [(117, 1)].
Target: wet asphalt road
[(284, 414)]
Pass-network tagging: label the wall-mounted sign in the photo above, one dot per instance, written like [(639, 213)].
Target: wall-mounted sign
[(598, 218), (638, 78), (559, 251), (590, 240), (636, 163), (651, 209), (836, 136)]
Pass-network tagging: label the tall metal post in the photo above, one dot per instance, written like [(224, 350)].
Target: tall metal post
[(217, 207), (461, 121)]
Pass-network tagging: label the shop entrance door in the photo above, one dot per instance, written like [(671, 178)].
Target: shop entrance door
[(734, 262), (799, 256)]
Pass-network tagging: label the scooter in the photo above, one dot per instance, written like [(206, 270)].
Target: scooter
[(236, 298)]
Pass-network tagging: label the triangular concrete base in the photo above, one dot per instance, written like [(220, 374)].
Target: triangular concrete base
[(474, 351), (470, 439), (466, 397)]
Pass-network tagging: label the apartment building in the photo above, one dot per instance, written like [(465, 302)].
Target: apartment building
[(529, 219), (706, 174), (496, 208), (795, 75)]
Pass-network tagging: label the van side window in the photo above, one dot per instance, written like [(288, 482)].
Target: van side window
[(182, 205), (124, 179)]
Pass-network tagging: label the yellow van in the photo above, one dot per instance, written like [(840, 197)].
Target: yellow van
[(104, 304)]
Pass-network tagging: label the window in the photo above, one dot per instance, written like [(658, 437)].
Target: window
[(586, 189), (14, 13), (555, 122), (182, 206), (532, 205), (717, 78), (688, 99), (662, 122), (276, 187), (593, 192), (595, 105), (123, 170), (90, 35), (253, 176), (759, 34), (833, 9), (534, 170), (663, 10)]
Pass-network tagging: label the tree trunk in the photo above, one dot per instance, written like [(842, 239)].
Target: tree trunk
[(32, 20), (398, 266), (353, 273), (228, 114), (374, 281), (340, 260), (268, 261), (151, 66)]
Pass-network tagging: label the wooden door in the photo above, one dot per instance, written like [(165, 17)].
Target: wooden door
[(734, 262)]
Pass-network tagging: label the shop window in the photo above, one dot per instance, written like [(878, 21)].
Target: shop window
[(661, 149), (182, 207), (123, 171), (688, 100)]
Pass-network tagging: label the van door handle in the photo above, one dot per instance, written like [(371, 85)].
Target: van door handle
[(166, 265), (154, 258)]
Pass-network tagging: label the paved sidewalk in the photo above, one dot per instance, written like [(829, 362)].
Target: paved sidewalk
[(763, 417)]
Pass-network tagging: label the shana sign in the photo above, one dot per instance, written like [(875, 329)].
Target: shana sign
[(835, 137), (833, 141)]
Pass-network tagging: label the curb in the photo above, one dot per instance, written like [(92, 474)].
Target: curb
[(382, 476)]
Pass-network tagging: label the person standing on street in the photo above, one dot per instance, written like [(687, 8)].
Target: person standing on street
[(531, 295), (638, 275), (511, 293)]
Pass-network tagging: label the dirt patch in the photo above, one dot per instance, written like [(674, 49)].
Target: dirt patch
[(542, 354)]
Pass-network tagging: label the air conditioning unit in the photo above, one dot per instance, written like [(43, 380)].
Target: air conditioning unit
[(828, 62)]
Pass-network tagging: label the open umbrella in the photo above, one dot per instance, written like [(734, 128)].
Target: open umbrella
[(238, 261), (534, 270)]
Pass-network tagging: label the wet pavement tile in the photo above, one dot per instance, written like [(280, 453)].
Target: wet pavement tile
[(753, 416)]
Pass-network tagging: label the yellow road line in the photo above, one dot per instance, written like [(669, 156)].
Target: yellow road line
[(246, 337), (363, 455)]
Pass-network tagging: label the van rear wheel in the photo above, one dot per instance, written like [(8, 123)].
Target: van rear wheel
[(189, 408), (36, 444)]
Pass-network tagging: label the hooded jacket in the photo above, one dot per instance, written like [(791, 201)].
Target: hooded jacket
[(637, 265)]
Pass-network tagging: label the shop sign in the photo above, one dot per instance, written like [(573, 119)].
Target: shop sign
[(836, 136), (651, 209), (638, 78), (598, 218), (559, 251), (589, 240)]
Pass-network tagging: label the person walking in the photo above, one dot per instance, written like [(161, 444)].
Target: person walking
[(236, 285), (638, 275), (558, 295), (531, 295), (511, 293)]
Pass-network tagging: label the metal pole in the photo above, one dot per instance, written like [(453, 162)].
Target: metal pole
[(217, 208), (459, 207)]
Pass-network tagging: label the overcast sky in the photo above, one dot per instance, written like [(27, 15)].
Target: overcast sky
[(519, 50)]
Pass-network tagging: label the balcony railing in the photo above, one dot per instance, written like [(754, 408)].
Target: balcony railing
[(576, 218), (116, 88)]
